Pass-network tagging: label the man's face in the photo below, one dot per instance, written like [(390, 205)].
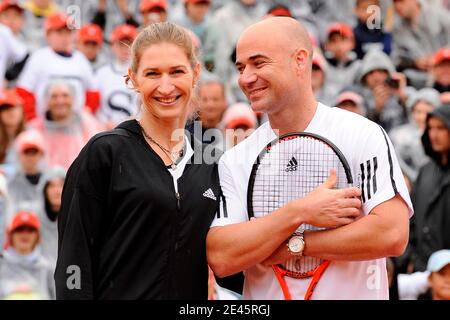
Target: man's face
[(198, 11), (375, 78), (89, 48), (29, 159), (439, 135), (13, 19), (363, 10), (340, 45), (267, 73), (405, 8), (61, 40), (154, 15), (212, 104), (60, 103), (420, 112), (439, 283), (441, 73)]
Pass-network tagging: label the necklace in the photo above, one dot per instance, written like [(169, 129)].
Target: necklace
[(172, 155)]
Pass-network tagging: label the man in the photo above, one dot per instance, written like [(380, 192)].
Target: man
[(420, 30), (66, 63), (90, 43), (275, 75), (117, 102), (153, 11), (431, 192), (212, 103)]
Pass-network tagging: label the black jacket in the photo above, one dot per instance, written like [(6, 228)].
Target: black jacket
[(430, 225), (123, 228)]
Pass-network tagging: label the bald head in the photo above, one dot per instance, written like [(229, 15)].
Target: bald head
[(285, 31)]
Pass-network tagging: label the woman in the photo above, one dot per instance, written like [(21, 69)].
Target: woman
[(24, 273), (12, 122), (49, 211), (137, 202)]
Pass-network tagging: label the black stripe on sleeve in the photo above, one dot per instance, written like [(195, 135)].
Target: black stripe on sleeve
[(362, 182), (368, 180), (224, 205), (375, 167), (391, 171)]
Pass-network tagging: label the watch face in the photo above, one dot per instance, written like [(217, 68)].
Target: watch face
[(296, 244)]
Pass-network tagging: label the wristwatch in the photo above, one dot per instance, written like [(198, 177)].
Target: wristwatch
[(296, 244)]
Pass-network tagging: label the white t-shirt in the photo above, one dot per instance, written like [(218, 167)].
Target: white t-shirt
[(11, 50), (362, 142), (46, 65), (118, 103)]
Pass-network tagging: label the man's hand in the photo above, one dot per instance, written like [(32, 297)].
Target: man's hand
[(328, 207)]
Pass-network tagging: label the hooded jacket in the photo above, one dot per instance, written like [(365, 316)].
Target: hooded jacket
[(393, 113), (48, 218), (431, 198), (124, 232)]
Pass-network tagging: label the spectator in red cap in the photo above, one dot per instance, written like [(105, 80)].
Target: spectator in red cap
[(24, 273), (343, 65), (24, 186), (12, 15), (90, 43), (368, 36), (153, 11), (239, 122), (441, 73), (12, 123), (351, 101), (36, 13), (117, 103), (66, 63)]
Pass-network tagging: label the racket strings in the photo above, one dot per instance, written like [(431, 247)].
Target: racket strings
[(289, 170)]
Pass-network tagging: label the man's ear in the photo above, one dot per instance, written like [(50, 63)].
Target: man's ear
[(301, 56)]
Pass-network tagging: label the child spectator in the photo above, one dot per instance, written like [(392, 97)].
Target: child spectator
[(343, 65), (65, 64), (24, 273), (90, 43), (12, 123), (53, 182), (117, 102), (24, 186)]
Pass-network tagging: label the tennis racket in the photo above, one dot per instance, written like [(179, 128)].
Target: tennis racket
[(288, 168)]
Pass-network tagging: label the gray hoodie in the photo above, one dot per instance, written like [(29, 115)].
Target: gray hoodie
[(25, 277), (393, 113), (49, 227)]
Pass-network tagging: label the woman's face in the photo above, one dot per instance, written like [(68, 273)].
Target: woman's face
[(54, 192), (11, 117), (24, 239), (165, 81)]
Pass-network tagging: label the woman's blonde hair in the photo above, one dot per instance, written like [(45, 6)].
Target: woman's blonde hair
[(163, 32)]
